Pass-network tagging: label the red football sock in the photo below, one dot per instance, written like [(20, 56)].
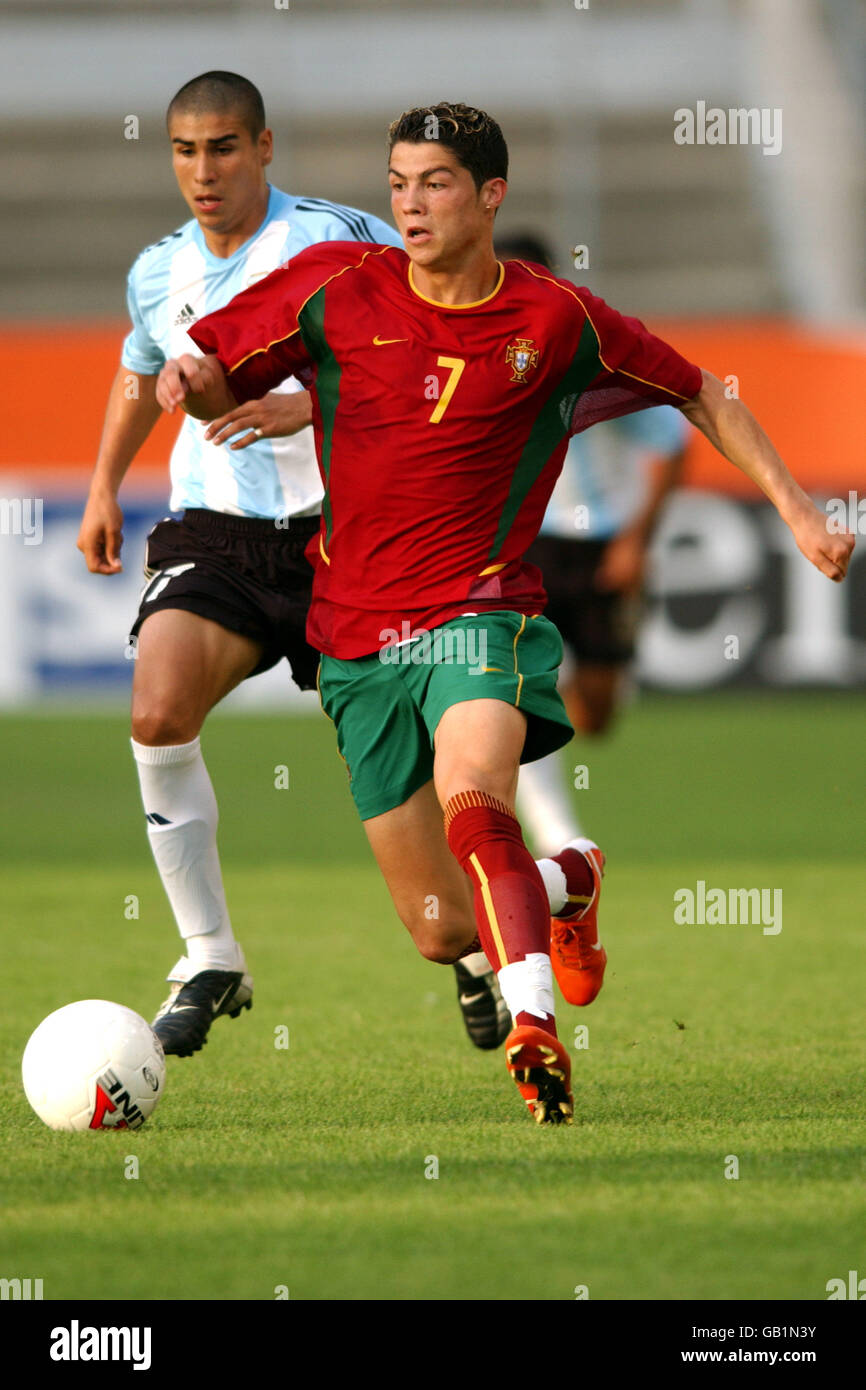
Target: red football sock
[(511, 906), (533, 1021)]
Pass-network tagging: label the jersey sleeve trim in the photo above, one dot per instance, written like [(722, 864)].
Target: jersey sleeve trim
[(620, 371)]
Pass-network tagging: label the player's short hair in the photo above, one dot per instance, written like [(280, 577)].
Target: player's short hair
[(472, 135), (524, 246), (220, 92)]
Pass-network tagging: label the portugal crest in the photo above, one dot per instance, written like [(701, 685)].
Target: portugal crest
[(522, 356)]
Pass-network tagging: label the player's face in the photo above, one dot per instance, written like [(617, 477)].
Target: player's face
[(437, 209), (220, 168)]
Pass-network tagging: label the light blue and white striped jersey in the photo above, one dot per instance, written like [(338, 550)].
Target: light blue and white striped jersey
[(606, 473), (177, 281)]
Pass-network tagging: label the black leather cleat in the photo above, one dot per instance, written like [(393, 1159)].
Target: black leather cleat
[(485, 1015), (183, 1021)]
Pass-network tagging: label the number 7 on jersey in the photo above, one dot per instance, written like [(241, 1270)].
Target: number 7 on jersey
[(456, 364)]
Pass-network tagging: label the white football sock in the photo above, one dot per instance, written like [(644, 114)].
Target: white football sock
[(544, 806), (182, 818), (477, 964), (527, 986), (555, 883), (553, 877)]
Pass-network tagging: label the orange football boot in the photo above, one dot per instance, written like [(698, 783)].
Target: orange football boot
[(541, 1067), (577, 955)]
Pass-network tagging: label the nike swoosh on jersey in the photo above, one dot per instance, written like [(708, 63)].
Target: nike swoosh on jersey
[(383, 342)]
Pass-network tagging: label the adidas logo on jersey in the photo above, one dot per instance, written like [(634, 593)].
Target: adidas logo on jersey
[(186, 315)]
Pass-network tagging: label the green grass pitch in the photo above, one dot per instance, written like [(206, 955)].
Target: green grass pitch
[(305, 1168)]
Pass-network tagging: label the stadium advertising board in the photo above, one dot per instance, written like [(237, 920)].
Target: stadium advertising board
[(730, 600)]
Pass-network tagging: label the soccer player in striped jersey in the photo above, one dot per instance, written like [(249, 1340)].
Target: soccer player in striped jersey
[(445, 388), (229, 586)]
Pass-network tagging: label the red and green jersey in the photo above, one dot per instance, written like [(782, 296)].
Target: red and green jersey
[(440, 428)]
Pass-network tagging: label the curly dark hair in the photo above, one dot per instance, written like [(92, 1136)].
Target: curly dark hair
[(472, 135)]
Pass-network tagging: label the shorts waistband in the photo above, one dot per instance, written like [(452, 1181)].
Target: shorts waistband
[(201, 519)]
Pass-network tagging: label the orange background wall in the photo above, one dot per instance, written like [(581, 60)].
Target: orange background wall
[(55, 381), (807, 387)]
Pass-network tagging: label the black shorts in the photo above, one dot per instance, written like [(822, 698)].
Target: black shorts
[(246, 574), (599, 626)]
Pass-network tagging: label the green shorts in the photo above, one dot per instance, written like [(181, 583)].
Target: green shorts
[(386, 707)]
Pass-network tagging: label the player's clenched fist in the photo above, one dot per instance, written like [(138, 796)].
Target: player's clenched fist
[(829, 551), (101, 535), (196, 383)]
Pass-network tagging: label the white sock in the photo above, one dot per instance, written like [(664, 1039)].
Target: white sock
[(477, 964), (553, 877), (175, 787), (544, 805), (527, 986)]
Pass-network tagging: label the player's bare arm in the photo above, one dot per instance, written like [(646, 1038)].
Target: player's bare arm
[(129, 419), (197, 385), (732, 429), (275, 416)]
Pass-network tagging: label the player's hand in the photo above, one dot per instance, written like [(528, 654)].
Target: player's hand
[(101, 535), (273, 417), (622, 565), (829, 551), (184, 375)]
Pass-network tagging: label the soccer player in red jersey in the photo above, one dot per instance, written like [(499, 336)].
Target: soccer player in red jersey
[(445, 387)]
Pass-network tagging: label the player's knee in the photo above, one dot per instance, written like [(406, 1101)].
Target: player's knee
[(497, 779), (442, 943), (159, 723), (439, 952)]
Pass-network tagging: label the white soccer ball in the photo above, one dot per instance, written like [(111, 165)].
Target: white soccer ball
[(93, 1065)]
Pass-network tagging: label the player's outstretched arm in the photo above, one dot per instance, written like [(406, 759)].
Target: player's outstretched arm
[(197, 385), (732, 428), (130, 415)]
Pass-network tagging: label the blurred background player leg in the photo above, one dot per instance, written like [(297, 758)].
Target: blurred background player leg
[(592, 553)]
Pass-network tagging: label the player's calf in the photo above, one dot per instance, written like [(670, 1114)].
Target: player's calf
[(511, 905)]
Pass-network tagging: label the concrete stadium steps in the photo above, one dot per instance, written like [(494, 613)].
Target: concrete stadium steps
[(682, 228), (238, 8), (678, 229)]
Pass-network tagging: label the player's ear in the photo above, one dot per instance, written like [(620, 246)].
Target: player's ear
[(492, 193), (266, 146)]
